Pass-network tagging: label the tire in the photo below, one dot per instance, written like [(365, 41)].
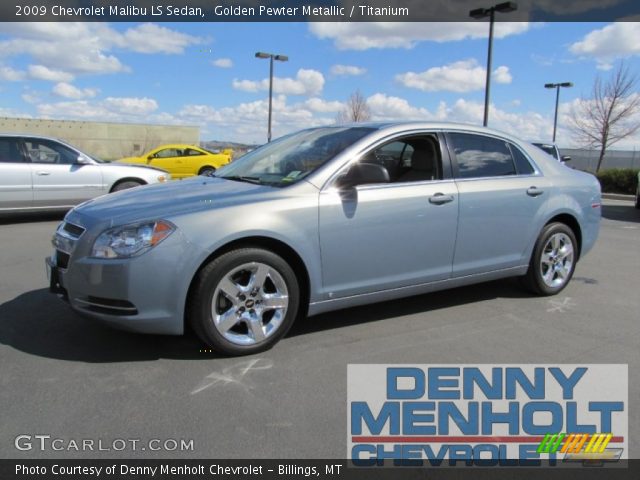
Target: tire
[(207, 171), (227, 309), (126, 185), (553, 260)]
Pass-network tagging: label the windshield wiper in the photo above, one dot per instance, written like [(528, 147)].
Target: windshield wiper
[(242, 178)]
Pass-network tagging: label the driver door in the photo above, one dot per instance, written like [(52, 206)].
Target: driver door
[(391, 235), (169, 159)]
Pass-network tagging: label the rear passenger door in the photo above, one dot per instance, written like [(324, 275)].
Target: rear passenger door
[(501, 206), (16, 190)]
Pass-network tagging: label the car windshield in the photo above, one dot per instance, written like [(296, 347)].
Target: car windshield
[(291, 158)]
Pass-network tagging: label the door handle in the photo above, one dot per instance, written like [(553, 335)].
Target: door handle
[(43, 173), (440, 199), (534, 191)]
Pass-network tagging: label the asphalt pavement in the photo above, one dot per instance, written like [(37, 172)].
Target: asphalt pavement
[(70, 378)]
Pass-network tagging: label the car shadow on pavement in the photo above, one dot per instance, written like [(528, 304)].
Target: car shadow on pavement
[(508, 288), (39, 324), (621, 213)]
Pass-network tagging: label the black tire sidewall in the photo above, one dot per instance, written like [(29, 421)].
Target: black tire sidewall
[(211, 275), (126, 185), (534, 269), (207, 171)]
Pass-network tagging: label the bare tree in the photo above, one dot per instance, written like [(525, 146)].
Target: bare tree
[(607, 117), (356, 109)]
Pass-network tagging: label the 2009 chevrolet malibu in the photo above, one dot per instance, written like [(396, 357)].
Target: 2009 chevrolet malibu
[(323, 219)]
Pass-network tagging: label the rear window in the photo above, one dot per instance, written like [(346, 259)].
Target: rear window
[(10, 151)]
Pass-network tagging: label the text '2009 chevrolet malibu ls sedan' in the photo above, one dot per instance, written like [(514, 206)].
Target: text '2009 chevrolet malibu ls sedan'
[(324, 219)]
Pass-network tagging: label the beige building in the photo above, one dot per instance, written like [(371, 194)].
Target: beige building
[(102, 139)]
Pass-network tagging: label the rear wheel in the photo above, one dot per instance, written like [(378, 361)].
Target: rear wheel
[(125, 185), (244, 301), (207, 171), (553, 260)]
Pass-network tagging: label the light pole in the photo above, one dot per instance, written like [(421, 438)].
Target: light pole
[(271, 57), (490, 12), (557, 87)]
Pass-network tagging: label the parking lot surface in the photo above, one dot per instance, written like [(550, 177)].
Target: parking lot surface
[(71, 378)]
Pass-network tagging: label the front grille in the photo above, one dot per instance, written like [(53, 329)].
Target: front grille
[(72, 229), (62, 259)]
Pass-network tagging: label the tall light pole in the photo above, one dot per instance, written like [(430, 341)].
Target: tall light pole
[(271, 57), (490, 12), (557, 87)]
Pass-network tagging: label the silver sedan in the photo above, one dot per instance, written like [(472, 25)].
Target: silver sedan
[(40, 173), (324, 219)]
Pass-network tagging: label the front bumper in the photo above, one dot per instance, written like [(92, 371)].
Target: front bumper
[(142, 294)]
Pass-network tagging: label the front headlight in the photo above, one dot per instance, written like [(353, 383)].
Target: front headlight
[(130, 240)]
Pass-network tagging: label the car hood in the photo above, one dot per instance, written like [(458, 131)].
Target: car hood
[(130, 164), (170, 199)]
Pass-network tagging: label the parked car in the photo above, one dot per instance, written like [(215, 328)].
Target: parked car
[(183, 161), (324, 219), (553, 150), (638, 193), (41, 173)]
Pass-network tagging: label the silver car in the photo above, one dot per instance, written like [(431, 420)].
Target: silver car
[(40, 173), (324, 219)]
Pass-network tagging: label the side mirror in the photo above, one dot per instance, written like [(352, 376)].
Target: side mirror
[(149, 158), (82, 160), (362, 174), (565, 158)]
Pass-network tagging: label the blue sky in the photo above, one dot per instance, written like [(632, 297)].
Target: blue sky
[(205, 73)]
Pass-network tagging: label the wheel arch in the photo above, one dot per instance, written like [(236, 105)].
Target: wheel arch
[(276, 246), (127, 179), (572, 222)]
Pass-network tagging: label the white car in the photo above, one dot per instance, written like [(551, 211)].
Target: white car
[(40, 173)]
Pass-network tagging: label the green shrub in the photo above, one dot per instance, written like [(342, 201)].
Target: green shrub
[(619, 180)]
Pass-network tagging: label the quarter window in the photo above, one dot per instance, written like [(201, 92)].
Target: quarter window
[(480, 156), (522, 163)]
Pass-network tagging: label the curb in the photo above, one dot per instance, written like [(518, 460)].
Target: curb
[(618, 196)]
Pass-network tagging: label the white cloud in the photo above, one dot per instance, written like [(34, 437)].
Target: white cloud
[(461, 76), (40, 72), (384, 107), (363, 36), (222, 63), (152, 38), (609, 43), (109, 109), (347, 70), (323, 106), (307, 82), (9, 74), (67, 90), (86, 47)]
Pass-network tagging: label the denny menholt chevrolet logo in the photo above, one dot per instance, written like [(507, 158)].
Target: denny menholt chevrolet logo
[(487, 415)]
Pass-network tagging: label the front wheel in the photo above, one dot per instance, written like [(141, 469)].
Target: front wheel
[(126, 185), (207, 171), (244, 301), (553, 260)]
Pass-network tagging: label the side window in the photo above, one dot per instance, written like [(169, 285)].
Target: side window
[(190, 152), (168, 152), (48, 151), (410, 159), (522, 163), (480, 156), (10, 150)]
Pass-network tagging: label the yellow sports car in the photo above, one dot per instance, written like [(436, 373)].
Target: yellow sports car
[(183, 161)]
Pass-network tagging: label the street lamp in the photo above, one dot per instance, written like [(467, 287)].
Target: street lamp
[(557, 87), (271, 57), (479, 13)]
